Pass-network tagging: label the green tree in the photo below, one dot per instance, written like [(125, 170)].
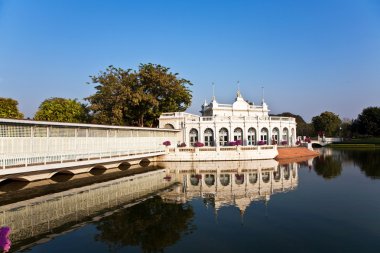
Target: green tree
[(327, 122), (9, 109), (62, 110), (368, 122), (127, 97), (303, 128)]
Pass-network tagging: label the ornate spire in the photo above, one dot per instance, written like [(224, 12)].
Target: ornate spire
[(213, 92), (238, 94)]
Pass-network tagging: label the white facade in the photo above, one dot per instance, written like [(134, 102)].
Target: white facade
[(221, 124)]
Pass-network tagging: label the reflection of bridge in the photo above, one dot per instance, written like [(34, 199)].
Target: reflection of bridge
[(41, 215), (232, 183), (30, 146), (323, 141)]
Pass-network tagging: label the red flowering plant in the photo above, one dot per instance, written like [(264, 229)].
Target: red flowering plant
[(198, 144), (261, 142), (284, 143), (182, 145), (166, 143)]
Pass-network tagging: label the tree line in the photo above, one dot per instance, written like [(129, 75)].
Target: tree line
[(122, 97), (330, 124)]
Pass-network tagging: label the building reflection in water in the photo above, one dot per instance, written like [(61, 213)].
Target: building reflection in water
[(54, 213), (234, 183), (219, 183)]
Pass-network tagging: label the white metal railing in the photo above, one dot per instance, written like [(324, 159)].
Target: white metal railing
[(38, 159), (26, 143)]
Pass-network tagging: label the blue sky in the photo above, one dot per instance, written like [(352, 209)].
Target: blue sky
[(311, 56)]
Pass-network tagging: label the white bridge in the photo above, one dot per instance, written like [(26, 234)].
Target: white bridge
[(28, 147), (323, 141)]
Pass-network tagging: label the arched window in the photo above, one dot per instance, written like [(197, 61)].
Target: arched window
[(224, 179), (223, 137), (193, 136), (251, 136), (209, 137), (285, 136), (238, 135), (264, 135), (275, 134)]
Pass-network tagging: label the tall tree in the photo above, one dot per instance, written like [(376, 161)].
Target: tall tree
[(9, 109), (327, 122), (127, 97), (368, 122), (62, 110)]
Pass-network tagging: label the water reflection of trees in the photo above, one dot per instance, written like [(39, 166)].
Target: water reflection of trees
[(152, 225), (367, 160), (327, 166)]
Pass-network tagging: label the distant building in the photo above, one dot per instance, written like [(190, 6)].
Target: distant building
[(221, 124)]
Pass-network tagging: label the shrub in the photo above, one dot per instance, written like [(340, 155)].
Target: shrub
[(182, 145), (198, 144), (235, 143), (284, 143), (166, 143), (261, 142)]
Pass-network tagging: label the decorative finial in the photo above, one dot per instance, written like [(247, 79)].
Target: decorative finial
[(238, 90), (262, 96), (213, 91)]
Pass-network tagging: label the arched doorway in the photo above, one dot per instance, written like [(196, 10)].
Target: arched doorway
[(209, 137), (238, 135), (264, 136), (224, 179), (251, 136), (223, 137), (210, 179), (193, 136)]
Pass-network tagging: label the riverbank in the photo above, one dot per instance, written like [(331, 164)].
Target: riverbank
[(295, 152)]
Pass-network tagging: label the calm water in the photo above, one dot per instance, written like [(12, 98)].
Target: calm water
[(329, 204)]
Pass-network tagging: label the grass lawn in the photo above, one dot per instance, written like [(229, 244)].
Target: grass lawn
[(371, 142)]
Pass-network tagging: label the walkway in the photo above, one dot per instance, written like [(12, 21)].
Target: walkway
[(27, 146)]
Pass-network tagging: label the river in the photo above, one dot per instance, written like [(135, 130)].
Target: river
[(327, 204)]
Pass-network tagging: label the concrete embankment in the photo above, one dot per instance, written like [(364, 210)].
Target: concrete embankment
[(297, 152)]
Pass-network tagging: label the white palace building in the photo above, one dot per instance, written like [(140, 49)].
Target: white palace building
[(221, 124)]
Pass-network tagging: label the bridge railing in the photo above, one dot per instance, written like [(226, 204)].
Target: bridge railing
[(25, 143)]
